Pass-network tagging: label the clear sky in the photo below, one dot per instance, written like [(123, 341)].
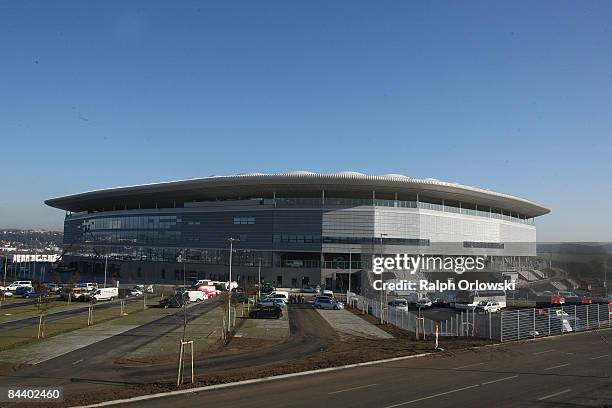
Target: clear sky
[(511, 96)]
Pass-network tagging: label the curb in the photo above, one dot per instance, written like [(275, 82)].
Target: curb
[(246, 382)]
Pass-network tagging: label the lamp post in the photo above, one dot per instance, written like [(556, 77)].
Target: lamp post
[(259, 277), (105, 268), (5, 265), (381, 279), (229, 284), (350, 272)]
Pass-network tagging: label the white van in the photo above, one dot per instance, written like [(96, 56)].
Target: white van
[(196, 295), (104, 294), (279, 294), (19, 284)]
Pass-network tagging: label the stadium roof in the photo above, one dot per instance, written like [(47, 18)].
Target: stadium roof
[(295, 183)]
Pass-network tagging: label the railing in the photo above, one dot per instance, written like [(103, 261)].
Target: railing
[(503, 326), (405, 320), (355, 265), (532, 323)]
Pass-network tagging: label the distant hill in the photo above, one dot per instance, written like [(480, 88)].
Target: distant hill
[(593, 248)]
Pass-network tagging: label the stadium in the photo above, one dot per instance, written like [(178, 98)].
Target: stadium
[(295, 229)]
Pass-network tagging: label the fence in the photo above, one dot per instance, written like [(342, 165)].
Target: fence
[(531, 323), (403, 319), (503, 326)]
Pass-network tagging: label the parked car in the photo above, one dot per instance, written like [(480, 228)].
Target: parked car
[(173, 301), (327, 303), (266, 312), (87, 286), (36, 295), (6, 293), (54, 287), (23, 290), (18, 284), (309, 290), (74, 293), (423, 304), (135, 291), (399, 304), (488, 306), (144, 288), (271, 302)]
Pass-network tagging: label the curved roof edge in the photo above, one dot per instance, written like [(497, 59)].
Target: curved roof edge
[(529, 208)]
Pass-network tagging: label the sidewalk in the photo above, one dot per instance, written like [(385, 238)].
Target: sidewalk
[(346, 322)]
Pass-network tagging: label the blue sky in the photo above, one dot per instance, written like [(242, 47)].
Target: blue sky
[(511, 96)]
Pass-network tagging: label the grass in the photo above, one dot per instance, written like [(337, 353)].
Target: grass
[(205, 332), (76, 321), (31, 310)]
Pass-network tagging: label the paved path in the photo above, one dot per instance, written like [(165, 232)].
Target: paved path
[(346, 322)]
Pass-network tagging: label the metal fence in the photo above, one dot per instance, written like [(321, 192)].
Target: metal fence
[(403, 319), (531, 323), (503, 326)]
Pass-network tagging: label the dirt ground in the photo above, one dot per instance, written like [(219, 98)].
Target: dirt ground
[(337, 350)]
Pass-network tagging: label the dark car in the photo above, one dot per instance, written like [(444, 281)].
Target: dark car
[(309, 290), (266, 312), (35, 295), (23, 290), (173, 301)]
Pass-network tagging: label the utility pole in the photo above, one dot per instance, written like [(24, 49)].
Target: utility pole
[(229, 284), (605, 275), (105, 268), (183, 259), (259, 276), (381, 279), (5, 265), (350, 272)]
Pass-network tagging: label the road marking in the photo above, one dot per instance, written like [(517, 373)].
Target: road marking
[(432, 396), (542, 352), (77, 362), (556, 394), (351, 389), (466, 366), (598, 357), (499, 379), (558, 366)]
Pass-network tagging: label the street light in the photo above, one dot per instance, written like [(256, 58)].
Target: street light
[(105, 268), (381, 279), (350, 272), (259, 276), (229, 284)]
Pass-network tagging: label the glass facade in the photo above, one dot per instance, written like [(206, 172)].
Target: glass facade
[(423, 203)]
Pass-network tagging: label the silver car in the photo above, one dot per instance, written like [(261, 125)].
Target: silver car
[(327, 303)]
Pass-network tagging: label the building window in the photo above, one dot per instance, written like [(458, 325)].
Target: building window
[(486, 245), (244, 220)]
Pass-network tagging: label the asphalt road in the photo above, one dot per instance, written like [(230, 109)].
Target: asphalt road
[(570, 370)]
